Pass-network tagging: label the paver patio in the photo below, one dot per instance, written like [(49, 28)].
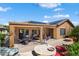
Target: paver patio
[(26, 49)]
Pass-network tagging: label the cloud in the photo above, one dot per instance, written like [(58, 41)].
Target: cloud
[(49, 5), (57, 16), (4, 9), (58, 9), (61, 16), (47, 16), (45, 21)]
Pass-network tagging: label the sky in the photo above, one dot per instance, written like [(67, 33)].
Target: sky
[(42, 12)]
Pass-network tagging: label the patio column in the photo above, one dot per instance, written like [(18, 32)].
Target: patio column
[(45, 33), (16, 33), (55, 33), (41, 34), (12, 35), (30, 33)]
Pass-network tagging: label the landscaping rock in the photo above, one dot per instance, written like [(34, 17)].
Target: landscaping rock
[(8, 51), (13, 52)]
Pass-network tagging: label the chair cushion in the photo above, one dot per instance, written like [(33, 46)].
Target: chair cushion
[(58, 54), (60, 48)]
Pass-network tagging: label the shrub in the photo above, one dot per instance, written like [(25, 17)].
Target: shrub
[(75, 33), (1, 39), (73, 49)]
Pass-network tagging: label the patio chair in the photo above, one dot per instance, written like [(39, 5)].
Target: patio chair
[(61, 50), (24, 41), (35, 37), (58, 54)]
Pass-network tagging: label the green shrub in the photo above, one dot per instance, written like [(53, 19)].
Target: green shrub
[(73, 49), (75, 33), (1, 39)]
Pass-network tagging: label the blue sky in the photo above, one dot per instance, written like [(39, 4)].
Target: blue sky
[(43, 12)]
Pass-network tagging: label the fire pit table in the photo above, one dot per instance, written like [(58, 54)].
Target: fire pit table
[(67, 41), (45, 50)]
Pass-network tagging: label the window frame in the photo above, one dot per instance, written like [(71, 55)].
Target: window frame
[(62, 31)]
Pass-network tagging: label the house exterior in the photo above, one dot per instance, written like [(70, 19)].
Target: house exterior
[(57, 29)]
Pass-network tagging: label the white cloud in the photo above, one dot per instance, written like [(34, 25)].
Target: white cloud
[(45, 21), (58, 9), (47, 16), (57, 16), (4, 9), (49, 5), (61, 16)]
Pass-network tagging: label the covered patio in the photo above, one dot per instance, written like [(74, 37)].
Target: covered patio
[(42, 31)]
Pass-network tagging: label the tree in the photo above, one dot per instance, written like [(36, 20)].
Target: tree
[(75, 32)]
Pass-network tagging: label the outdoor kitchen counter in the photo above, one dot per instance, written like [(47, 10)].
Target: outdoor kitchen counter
[(43, 50)]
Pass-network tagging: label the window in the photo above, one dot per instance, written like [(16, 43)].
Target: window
[(62, 31)]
